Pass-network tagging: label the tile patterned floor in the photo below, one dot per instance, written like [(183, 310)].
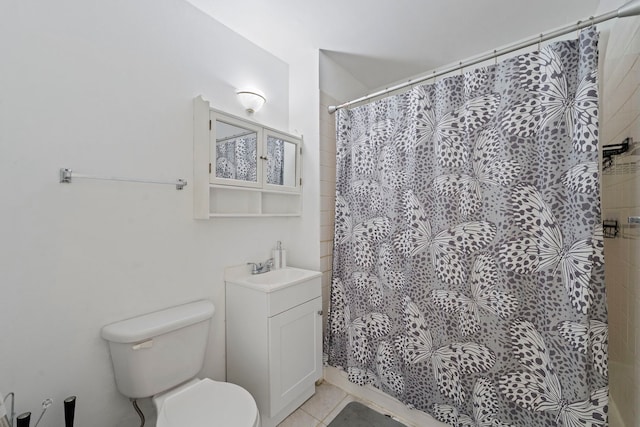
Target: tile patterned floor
[(321, 408)]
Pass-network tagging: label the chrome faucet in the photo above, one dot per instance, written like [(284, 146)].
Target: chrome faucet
[(261, 267)]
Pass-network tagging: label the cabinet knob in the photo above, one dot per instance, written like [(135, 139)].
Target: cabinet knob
[(320, 312)]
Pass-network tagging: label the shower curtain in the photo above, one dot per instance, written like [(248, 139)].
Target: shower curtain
[(468, 276)]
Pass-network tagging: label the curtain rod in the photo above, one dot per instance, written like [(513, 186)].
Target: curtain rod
[(631, 8)]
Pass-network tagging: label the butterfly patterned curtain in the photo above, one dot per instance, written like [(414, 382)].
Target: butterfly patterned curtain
[(468, 276)]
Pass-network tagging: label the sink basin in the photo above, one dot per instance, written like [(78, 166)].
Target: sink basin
[(271, 281), (284, 275)]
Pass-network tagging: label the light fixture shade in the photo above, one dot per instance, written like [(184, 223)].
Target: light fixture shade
[(251, 100)]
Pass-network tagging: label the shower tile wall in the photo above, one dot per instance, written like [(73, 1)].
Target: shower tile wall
[(327, 192), (620, 118)]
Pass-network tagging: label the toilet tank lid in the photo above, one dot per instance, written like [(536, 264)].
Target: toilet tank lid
[(160, 322)]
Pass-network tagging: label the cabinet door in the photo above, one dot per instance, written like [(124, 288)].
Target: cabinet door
[(283, 162), (236, 152), (295, 352)]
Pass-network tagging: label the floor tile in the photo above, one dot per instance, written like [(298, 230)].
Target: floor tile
[(325, 400), (344, 402), (299, 419)]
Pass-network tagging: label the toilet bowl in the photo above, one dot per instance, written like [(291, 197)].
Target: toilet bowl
[(206, 403), (159, 354)]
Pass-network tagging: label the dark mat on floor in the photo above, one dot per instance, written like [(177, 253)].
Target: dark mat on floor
[(355, 414)]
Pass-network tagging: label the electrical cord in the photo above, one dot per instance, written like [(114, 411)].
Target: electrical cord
[(134, 402)]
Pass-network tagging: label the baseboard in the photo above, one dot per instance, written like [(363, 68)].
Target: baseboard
[(615, 420)]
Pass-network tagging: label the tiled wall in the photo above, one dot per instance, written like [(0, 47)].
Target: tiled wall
[(327, 192), (620, 118)]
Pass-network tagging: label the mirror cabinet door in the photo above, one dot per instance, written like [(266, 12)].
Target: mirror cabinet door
[(283, 163), (235, 158)]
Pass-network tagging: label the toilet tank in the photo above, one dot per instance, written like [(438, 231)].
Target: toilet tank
[(157, 351)]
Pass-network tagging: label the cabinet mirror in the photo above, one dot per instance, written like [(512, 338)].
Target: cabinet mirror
[(246, 154), (281, 157), (236, 152)]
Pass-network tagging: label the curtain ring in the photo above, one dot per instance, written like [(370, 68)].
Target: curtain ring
[(592, 21), (578, 29), (495, 57), (461, 68), (540, 41)]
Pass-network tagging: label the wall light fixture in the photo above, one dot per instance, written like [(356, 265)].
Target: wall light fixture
[(251, 100)]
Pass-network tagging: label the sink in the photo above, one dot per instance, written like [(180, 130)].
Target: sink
[(284, 275), (271, 281)]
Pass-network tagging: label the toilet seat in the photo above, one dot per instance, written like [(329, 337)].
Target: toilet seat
[(207, 403)]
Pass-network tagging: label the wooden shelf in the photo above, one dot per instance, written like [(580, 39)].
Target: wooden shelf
[(227, 201)]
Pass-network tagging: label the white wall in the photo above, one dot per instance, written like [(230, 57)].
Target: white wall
[(338, 83), (258, 23), (619, 119), (106, 88)]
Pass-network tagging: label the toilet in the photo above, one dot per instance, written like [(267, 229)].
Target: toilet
[(159, 354)]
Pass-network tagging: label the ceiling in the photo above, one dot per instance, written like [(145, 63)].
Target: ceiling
[(385, 41)]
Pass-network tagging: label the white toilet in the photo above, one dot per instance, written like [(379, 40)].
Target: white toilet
[(159, 354)]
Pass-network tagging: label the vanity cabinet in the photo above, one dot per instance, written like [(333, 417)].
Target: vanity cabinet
[(242, 168), (274, 344)]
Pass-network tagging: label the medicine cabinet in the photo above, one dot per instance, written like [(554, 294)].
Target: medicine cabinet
[(242, 168)]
